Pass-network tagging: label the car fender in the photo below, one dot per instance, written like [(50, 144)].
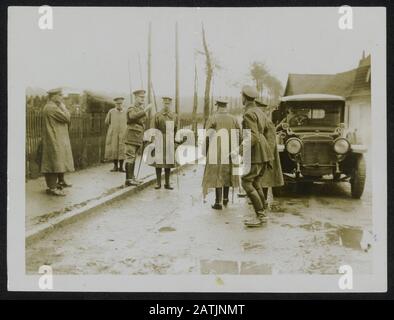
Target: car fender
[(358, 148)]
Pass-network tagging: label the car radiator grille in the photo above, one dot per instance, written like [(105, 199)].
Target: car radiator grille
[(317, 152)]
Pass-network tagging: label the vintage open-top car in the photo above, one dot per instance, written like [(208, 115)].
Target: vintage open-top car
[(313, 144)]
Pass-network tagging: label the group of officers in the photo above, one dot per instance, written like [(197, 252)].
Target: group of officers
[(125, 139)]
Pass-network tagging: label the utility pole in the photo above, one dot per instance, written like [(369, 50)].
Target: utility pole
[(140, 68), (209, 72), (177, 74), (130, 85), (149, 84), (149, 63)]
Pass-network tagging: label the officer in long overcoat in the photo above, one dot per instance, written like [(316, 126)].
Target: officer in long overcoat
[(272, 177), (57, 155), (161, 122), (114, 143), (136, 122), (261, 154), (219, 175)]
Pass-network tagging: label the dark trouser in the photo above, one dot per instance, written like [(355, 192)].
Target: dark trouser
[(120, 164), (251, 182), (131, 156), (167, 172), (52, 179), (219, 192)]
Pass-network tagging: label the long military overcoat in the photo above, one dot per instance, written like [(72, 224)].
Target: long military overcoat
[(114, 143), (217, 175), (159, 123), (255, 120), (273, 177), (56, 147)]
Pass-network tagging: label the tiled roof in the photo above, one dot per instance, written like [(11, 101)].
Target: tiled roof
[(340, 84), (345, 84)]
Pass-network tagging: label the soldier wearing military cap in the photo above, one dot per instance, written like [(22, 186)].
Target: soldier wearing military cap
[(272, 177), (255, 120), (114, 143), (159, 122), (219, 175), (56, 157), (136, 116)]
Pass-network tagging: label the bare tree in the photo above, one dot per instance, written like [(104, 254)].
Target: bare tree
[(265, 82), (209, 73), (259, 72)]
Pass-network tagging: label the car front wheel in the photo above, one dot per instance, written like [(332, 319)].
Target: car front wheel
[(357, 181)]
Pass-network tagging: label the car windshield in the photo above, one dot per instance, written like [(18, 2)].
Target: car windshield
[(314, 115)]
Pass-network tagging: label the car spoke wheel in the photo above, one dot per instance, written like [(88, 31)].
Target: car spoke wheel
[(357, 181)]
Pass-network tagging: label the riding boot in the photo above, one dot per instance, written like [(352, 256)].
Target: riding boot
[(121, 166), (128, 174), (258, 206), (61, 183), (256, 202), (167, 179), (158, 178), (218, 199), (225, 195), (115, 168)]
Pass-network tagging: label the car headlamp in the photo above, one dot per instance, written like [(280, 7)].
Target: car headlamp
[(293, 145), (341, 146)]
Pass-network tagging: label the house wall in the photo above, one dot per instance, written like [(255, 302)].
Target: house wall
[(358, 114)]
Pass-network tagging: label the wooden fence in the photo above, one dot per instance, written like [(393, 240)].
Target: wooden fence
[(87, 137)]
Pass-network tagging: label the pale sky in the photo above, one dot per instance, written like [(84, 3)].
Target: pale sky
[(89, 48)]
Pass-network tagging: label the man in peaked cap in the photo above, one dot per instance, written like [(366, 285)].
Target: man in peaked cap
[(57, 155), (136, 119), (255, 120), (219, 174), (114, 142), (159, 122)]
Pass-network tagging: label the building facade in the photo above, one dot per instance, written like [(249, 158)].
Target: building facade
[(354, 85)]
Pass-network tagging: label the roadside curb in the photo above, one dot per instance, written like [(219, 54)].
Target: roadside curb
[(67, 218)]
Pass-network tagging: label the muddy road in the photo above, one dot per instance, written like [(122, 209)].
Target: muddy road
[(176, 232)]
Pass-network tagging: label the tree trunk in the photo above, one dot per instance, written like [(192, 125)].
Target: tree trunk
[(149, 72), (195, 103), (208, 76), (177, 76)]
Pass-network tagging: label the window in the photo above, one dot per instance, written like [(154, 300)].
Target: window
[(318, 113)]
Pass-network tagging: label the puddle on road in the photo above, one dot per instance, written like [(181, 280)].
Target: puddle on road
[(250, 246), (219, 267), (250, 267), (167, 229), (352, 238), (345, 236)]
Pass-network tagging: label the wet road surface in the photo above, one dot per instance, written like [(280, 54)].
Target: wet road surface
[(176, 232)]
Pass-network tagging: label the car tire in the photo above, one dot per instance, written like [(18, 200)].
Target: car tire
[(357, 181)]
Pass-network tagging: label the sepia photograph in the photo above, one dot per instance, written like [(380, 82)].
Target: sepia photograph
[(197, 149)]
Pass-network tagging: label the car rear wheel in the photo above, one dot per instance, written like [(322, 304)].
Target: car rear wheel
[(357, 181)]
